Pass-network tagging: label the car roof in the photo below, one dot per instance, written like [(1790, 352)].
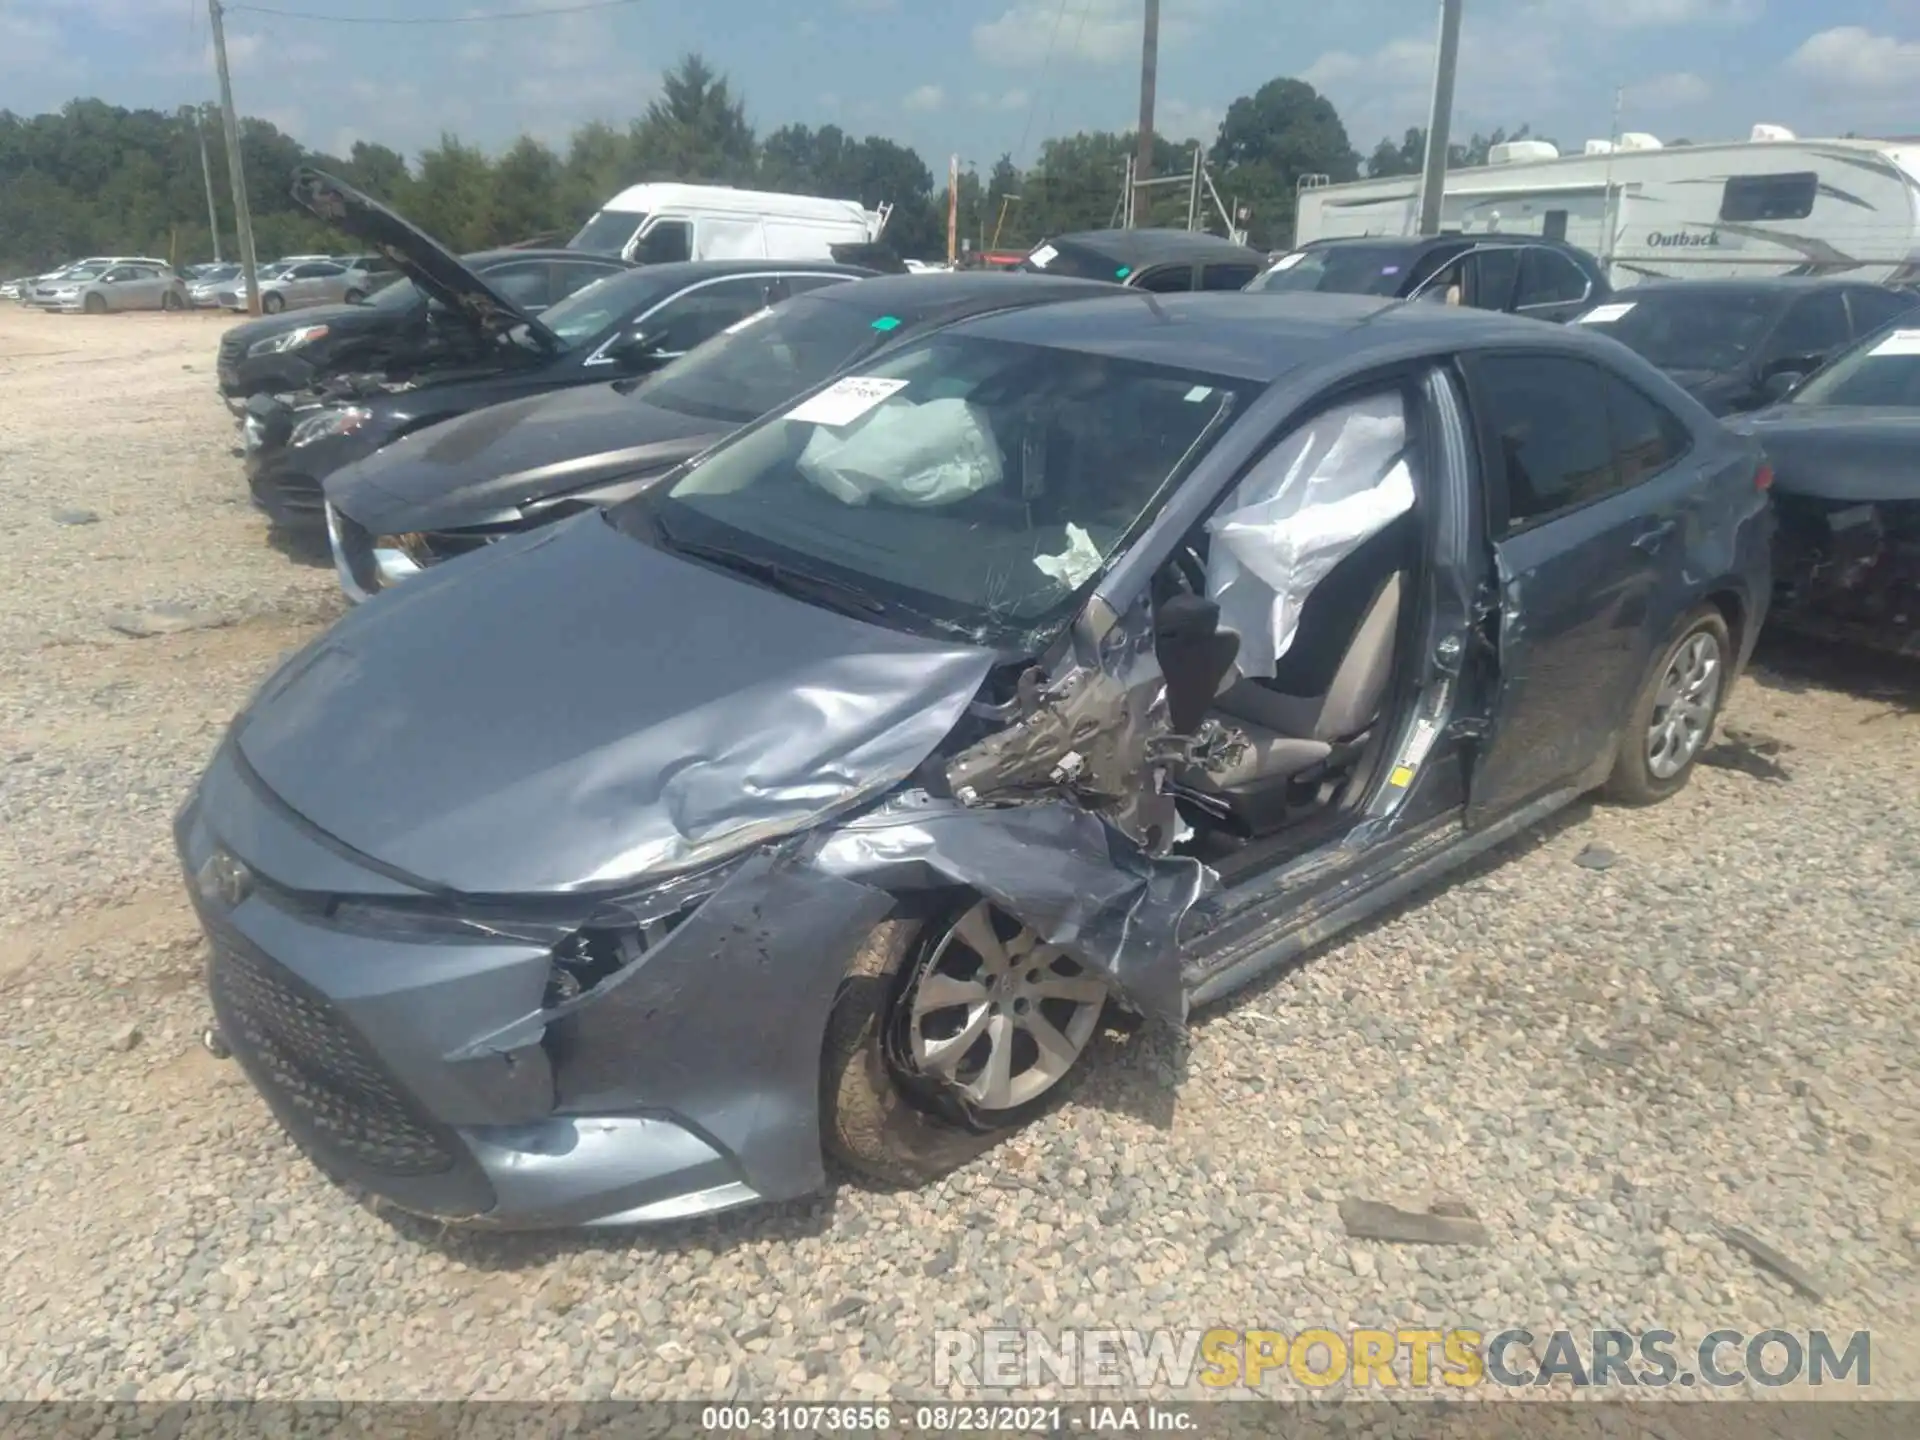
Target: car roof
[(1260, 335), (689, 272), (1781, 285), (944, 295), (1417, 243), (1154, 245), (553, 252)]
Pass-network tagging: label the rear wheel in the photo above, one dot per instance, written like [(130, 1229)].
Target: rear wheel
[(170, 301), (95, 304), (1673, 717), (948, 1033), (354, 297), (272, 304)]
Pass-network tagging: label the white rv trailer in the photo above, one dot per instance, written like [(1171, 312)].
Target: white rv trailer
[(661, 222), (1770, 205)]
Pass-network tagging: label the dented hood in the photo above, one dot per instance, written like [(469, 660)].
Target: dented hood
[(574, 709), (480, 468), (421, 258)]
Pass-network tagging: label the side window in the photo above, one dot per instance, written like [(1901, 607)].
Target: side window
[(1769, 197), (1543, 419), (1647, 437), (1167, 280), (1227, 277), (1548, 278), (568, 278), (1875, 309), (801, 284), (117, 274), (318, 272), (1495, 271), (697, 315), (668, 241), (525, 284), (1813, 325)]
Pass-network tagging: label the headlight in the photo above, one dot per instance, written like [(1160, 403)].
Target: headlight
[(400, 557), (287, 340), (223, 880), (343, 421)]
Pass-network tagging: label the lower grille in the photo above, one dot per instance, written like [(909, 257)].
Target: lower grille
[(290, 499), (332, 1093)]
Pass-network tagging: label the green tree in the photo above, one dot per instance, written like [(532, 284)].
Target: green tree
[(1271, 140), (454, 199), (696, 131), (527, 200)]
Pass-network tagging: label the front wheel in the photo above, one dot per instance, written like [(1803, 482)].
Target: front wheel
[(271, 304), (1674, 714), (95, 304), (170, 301), (946, 1034)]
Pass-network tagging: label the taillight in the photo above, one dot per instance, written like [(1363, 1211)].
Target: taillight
[(1763, 477)]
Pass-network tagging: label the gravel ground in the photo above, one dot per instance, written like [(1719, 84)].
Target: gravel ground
[(1623, 1032)]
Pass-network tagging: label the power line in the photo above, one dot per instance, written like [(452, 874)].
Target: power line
[(1046, 63), (575, 9)]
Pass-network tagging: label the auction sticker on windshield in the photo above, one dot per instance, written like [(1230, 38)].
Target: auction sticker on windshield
[(1607, 314), (1043, 257), (1287, 262), (1900, 342), (846, 400), (753, 319)]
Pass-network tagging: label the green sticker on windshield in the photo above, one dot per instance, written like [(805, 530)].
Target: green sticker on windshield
[(1123, 272), (887, 322)]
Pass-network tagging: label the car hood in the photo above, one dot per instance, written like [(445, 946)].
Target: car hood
[(421, 258), (572, 710), (1839, 452), (334, 317), (479, 468)]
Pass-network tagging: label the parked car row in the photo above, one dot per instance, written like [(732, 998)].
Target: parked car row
[(792, 710)]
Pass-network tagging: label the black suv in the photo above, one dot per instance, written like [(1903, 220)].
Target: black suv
[(1521, 274)]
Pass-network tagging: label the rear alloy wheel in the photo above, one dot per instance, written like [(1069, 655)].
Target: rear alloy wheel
[(1673, 717), (95, 304), (946, 1035), (272, 304)]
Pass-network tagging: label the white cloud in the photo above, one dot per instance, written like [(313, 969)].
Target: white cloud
[(1180, 120), (1675, 90), (1662, 14), (925, 98), (27, 45), (1850, 60), (869, 7), (1384, 91), (1007, 101), (1092, 32)]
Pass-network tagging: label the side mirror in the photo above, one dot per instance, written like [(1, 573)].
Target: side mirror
[(1195, 655), (636, 350), (1783, 382)]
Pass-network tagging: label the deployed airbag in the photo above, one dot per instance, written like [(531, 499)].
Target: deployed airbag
[(1340, 478), (929, 454)]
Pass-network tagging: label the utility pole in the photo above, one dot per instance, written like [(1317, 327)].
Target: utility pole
[(953, 210), (206, 174), (1149, 76), (1446, 59), (1193, 191), (242, 215)]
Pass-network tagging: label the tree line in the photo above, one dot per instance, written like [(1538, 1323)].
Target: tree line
[(99, 179)]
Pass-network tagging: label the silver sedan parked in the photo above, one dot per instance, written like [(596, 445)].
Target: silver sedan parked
[(117, 287), (203, 291), (314, 282)]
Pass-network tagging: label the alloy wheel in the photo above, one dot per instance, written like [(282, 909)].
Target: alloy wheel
[(999, 1014), (1683, 706)]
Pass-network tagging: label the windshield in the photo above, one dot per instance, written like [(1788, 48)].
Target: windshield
[(1688, 329), (966, 485), (597, 307), (83, 272), (274, 269), (213, 274), (608, 232), (1340, 270), (767, 359), (1883, 370)]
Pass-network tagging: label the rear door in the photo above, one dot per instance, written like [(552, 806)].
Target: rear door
[(1586, 508), (1552, 287), (1873, 308), (1813, 327), (703, 311), (1228, 275)]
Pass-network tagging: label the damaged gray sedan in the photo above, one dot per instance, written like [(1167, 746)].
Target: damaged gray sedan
[(824, 800)]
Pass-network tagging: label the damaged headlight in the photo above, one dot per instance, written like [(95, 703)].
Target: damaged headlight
[(396, 557), (287, 340), (327, 423)]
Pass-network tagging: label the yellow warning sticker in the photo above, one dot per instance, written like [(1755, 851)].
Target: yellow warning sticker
[(1402, 776)]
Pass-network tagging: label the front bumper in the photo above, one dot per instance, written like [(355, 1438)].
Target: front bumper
[(414, 1060), (366, 567), (285, 480)]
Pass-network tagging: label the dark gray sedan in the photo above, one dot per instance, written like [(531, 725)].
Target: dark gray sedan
[(826, 799)]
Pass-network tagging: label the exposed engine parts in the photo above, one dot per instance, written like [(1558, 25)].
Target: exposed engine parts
[(1850, 571)]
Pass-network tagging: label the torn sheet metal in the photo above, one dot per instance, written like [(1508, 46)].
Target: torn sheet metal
[(1076, 880), (632, 714), (1098, 735), (1339, 479)]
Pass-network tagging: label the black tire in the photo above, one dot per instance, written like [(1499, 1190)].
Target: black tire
[(94, 304), (170, 301), (877, 1122), (271, 304), (354, 297), (1634, 781)]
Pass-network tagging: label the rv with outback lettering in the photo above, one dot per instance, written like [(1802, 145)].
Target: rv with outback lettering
[(1769, 205)]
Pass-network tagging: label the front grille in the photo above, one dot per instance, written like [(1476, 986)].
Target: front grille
[(331, 1092), (230, 348), (291, 497)]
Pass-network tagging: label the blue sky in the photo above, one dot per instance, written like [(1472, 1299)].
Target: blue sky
[(981, 76)]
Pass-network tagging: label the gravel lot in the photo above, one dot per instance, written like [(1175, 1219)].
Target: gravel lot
[(1710, 1021)]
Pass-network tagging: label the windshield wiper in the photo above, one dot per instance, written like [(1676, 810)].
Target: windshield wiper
[(801, 584)]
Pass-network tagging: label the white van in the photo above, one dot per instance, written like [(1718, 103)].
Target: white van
[(653, 224)]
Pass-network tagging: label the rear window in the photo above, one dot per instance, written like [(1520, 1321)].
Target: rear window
[(1340, 270), (608, 232), (1055, 258), (1709, 329)]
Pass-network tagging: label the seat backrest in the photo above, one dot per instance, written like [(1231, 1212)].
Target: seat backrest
[(1332, 614), (1359, 684)]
